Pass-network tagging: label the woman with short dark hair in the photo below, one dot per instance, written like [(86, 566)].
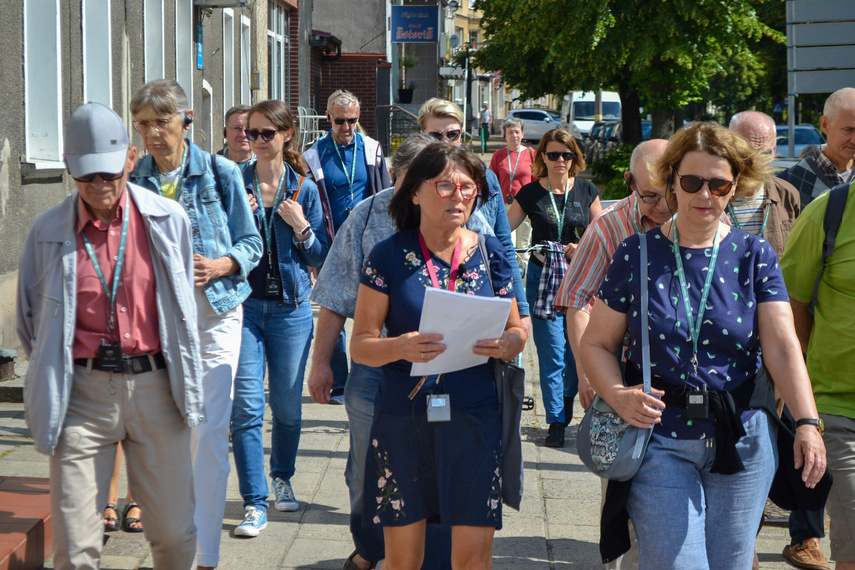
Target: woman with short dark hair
[(413, 468)]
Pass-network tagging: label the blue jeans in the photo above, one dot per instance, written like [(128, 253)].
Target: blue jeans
[(359, 395), (686, 517), (275, 339), (338, 363), (558, 378)]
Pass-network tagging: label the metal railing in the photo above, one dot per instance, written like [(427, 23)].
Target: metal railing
[(309, 125), (394, 124)]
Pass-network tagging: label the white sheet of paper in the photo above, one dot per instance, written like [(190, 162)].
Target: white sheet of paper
[(462, 320)]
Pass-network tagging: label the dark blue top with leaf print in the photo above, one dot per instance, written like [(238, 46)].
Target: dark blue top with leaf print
[(746, 273), (396, 268)]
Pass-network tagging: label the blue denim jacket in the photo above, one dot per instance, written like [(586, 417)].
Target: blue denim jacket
[(294, 269), (222, 221)]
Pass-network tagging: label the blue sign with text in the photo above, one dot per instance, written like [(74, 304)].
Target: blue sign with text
[(415, 24)]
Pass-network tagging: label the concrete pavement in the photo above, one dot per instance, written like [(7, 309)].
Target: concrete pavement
[(556, 528)]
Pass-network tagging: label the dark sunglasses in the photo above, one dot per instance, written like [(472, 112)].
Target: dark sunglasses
[(450, 135), (692, 184), (554, 156), (105, 176), (266, 136), (350, 121)]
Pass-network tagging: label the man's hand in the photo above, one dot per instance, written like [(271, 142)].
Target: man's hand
[(320, 382), (206, 270)]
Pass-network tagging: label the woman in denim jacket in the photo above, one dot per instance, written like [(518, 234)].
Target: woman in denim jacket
[(226, 247), (277, 326)]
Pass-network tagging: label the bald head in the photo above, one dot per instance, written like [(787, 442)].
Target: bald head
[(755, 127), (643, 159), (837, 101), (644, 156)]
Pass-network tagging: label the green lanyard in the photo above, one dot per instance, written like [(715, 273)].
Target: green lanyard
[(514, 171), (117, 274), (694, 326), (560, 219), (182, 173), (736, 223), (267, 221), (637, 212), (352, 176)]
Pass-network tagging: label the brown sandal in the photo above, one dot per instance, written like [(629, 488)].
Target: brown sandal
[(349, 564)]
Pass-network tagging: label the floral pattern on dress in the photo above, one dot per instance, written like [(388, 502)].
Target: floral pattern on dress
[(494, 497), (389, 497), (374, 276)]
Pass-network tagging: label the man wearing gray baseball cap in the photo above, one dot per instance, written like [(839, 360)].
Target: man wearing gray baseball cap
[(107, 318)]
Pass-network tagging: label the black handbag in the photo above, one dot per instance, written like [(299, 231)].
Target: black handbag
[(510, 387)]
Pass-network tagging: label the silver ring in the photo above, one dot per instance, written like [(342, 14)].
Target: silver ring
[(423, 356)]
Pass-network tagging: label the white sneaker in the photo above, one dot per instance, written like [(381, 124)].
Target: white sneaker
[(254, 521), (285, 500)]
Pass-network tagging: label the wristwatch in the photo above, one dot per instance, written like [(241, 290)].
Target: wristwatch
[(817, 423), (305, 230)]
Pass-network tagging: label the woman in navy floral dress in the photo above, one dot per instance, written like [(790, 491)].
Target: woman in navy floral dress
[(420, 472), (716, 301)]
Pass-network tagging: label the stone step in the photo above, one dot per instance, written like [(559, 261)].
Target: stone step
[(25, 528)]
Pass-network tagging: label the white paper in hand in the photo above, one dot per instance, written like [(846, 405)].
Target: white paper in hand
[(462, 320)]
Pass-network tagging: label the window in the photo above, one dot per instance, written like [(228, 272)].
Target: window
[(153, 26), (185, 55), (473, 39), (245, 61), (42, 84), (228, 59), (97, 57), (277, 41)]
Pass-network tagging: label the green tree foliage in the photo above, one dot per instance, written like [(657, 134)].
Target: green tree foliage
[(662, 52)]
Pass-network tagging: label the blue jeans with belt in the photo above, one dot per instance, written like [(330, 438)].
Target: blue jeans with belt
[(558, 378), (275, 340)]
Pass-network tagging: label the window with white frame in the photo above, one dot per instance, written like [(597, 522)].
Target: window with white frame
[(277, 50), (42, 84), (245, 61), (185, 54), (97, 55), (228, 59), (153, 29)]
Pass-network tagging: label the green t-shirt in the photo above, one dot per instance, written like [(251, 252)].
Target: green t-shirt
[(831, 350)]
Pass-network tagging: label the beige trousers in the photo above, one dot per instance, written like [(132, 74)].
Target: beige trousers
[(138, 410)]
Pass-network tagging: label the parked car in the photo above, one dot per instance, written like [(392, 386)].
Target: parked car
[(536, 122), (805, 135)]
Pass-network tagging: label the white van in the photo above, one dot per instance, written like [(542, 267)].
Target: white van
[(578, 108)]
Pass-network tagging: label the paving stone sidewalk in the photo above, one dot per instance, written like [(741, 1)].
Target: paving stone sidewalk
[(556, 528)]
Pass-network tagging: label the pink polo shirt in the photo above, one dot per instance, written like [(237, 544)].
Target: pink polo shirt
[(136, 308), (522, 176)]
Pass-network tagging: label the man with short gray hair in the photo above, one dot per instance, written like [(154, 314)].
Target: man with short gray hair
[(347, 167), (833, 162)]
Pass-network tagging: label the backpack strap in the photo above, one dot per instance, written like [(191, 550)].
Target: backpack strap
[(216, 172), (811, 161), (831, 224), (299, 187)]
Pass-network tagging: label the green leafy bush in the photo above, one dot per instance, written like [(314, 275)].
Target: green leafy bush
[(609, 171)]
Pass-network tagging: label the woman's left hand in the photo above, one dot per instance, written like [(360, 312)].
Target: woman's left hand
[(503, 348), (809, 450), (292, 213), (569, 250)]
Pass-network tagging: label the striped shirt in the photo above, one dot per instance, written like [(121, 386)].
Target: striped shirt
[(748, 214), (594, 254)]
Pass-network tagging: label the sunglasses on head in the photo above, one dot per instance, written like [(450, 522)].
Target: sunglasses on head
[(266, 135), (692, 184), (450, 135), (350, 121), (554, 156), (105, 176)]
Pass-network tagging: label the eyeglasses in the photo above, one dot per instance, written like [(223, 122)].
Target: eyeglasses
[(446, 189), (450, 135), (646, 198), (236, 130), (349, 120), (105, 176), (554, 156), (266, 135), (159, 125), (692, 184)]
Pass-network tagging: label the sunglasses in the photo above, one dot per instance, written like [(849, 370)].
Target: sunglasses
[(105, 176), (349, 121), (692, 184), (266, 135), (447, 188), (450, 135), (554, 156)]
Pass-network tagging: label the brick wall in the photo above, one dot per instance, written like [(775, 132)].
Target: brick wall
[(293, 56), (356, 72)]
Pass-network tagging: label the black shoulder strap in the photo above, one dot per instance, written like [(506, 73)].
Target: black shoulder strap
[(811, 161), (368, 217), (217, 176), (831, 224)]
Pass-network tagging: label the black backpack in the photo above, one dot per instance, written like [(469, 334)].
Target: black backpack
[(831, 224)]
